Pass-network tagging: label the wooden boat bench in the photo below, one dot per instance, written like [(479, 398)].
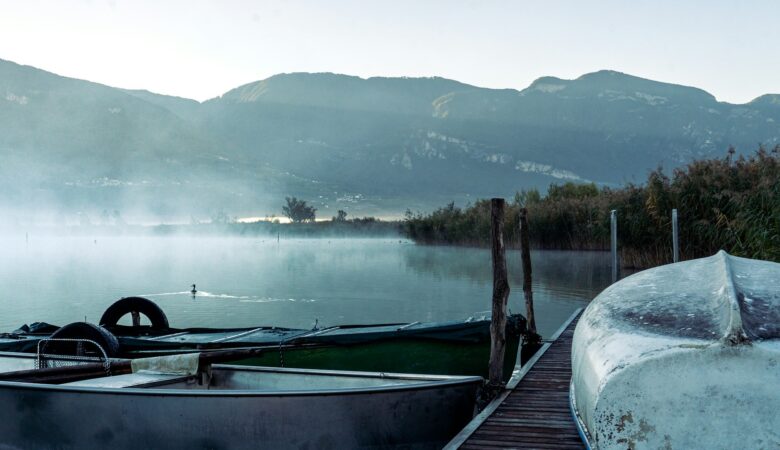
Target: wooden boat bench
[(133, 380)]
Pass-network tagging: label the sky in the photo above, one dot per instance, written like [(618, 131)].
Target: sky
[(201, 49)]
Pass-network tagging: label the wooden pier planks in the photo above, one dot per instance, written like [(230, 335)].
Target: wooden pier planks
[(534, 411)]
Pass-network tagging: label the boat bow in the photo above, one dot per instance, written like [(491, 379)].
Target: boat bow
[(682, 356)]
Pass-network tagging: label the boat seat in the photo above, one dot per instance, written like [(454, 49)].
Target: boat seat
[(138, 379)]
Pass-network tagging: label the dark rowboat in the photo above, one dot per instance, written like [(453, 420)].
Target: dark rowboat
[(455, 347)]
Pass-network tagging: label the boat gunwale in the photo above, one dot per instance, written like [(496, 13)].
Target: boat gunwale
[(582, 429), (425, 382), (209, 330)]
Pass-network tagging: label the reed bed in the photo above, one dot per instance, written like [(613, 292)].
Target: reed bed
[(730, 203)]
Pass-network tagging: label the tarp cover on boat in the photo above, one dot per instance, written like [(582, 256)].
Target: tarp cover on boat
[(461, 331), (682, 356)]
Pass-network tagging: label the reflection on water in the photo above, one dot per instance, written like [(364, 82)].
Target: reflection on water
[(562, 280), (247, 282)]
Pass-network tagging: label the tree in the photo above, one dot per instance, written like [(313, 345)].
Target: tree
[(525, 198), (105, 218), (298, 211), (221, 217), (116, 218), (341, 216)]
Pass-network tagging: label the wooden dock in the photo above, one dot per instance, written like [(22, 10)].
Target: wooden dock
[(533, 411)]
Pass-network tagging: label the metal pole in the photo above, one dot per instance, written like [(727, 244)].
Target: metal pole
[(675, 242), (613, 229)]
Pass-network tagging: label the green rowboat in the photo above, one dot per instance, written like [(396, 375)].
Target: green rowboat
[(453, 347)]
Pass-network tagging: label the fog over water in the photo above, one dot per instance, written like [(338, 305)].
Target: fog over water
[(255, 281)]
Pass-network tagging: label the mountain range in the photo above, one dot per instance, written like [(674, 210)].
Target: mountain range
[(370, 146)]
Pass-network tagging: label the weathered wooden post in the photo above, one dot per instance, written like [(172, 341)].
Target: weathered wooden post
[(525, 256), (500, 293), (613, 233), (675, 242)]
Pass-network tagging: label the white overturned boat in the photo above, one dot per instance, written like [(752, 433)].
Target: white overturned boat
[(221, 406), (683, 356)]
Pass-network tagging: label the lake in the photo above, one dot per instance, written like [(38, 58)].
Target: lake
[(246, 282)]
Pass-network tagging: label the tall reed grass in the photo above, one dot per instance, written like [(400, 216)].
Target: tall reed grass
[(728, 203)]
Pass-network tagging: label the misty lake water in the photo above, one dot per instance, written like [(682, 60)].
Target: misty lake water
[(246, 282)]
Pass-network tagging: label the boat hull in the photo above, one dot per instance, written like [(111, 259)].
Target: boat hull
[(682, 356), (452, 348), (404, 356), (415, 416), (696, 398)]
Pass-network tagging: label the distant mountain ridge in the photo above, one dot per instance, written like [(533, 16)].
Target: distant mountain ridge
[(371, 146)]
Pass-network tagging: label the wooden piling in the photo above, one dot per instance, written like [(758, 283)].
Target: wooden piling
[(525, 256), (500, 293)]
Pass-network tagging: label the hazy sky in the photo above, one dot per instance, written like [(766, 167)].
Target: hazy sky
[(200, 49)]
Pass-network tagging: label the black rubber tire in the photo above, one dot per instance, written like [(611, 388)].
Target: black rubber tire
[(140, 305), (82, 330)]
